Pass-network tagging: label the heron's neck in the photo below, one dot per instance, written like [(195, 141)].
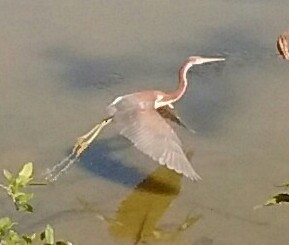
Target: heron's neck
[(183, 83)]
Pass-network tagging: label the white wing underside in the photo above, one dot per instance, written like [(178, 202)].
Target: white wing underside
[(150, 133)]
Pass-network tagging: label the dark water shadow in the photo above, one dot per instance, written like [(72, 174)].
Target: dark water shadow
[(84, 73), (100, 161)]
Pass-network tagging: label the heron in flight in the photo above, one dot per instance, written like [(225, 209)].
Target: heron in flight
[(137, 117)]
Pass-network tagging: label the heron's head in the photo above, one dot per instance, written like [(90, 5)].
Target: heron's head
[(197, 60)]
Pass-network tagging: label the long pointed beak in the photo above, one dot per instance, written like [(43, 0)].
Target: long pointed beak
[(207, 60)]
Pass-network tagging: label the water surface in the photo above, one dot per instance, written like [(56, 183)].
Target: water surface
[(63, 62)]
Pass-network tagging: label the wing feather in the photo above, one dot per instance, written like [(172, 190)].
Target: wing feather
[(150, 133)]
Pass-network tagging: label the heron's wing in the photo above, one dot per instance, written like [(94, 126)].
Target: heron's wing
[(168, 113), (150, 133)]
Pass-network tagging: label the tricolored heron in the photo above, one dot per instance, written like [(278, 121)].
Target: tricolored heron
[(136, 117)]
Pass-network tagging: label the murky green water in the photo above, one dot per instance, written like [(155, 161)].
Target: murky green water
[(62, 62)]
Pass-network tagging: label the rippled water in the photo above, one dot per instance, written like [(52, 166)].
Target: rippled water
[(63, 62)]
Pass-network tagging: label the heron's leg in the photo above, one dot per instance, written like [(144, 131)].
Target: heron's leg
[(85, 136), (84, 141), (97, 130)]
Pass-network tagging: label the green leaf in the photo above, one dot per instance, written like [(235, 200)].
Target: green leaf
[(26, 171), (24, 207), (23, 197), (278, 199), (49, 235), (14, 237), (27, 207), (21, 200), (42, 235), (29, 239), (5, 224), (18, 195), (7, 175), (22, 181)]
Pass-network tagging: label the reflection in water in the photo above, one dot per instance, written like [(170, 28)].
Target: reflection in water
[(101, 162), (139, 214)]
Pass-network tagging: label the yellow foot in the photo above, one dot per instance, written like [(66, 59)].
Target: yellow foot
[(80, 146)]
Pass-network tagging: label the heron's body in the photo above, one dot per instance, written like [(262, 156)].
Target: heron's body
[(136, 117)]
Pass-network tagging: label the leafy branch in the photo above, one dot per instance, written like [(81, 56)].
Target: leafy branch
[(277, 199), (15, 188)]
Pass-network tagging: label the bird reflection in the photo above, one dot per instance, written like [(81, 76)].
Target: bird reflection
[(138, 215)]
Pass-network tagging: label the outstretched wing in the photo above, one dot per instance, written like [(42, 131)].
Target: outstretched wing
[(150, 133)]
